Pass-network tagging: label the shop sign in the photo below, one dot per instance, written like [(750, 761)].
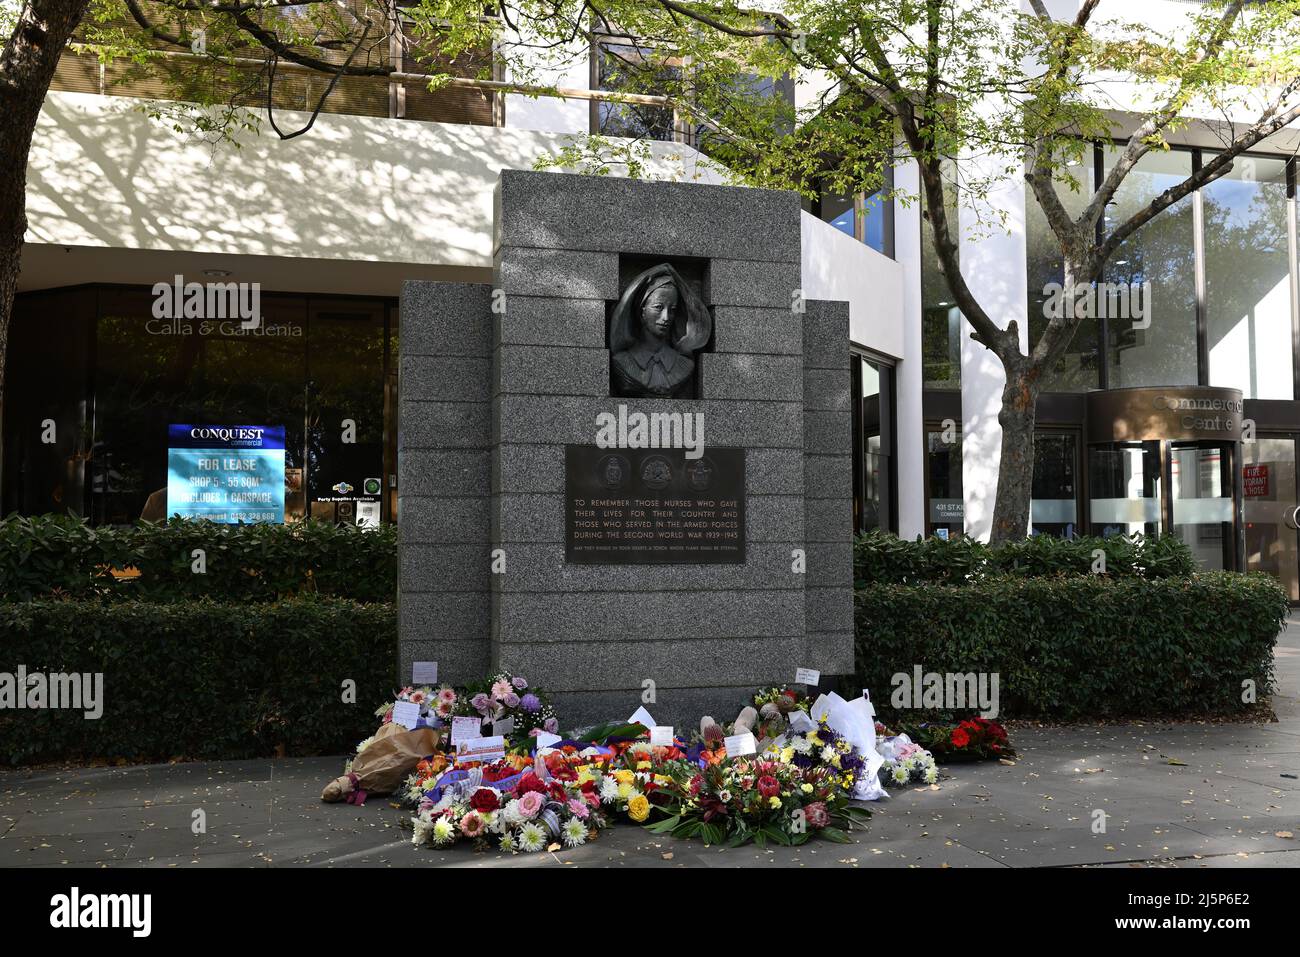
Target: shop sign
[(1254, 481), (226, 473), (1179, 413), (947, 511)]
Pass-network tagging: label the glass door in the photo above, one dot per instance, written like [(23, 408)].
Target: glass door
[(1268, 473), (1054, 508), (1124, 488), (1200, 492), (946, 509), (873, 480)]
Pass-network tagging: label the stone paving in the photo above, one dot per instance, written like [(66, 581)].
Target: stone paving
[(1184, 795)]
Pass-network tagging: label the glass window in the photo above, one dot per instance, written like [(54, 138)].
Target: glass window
[(1054, 508), (345, 436), (633, 69), (1079, 369), (837, 209), (941, 321), (1124, 488), (878, 223), (875, 480), (152, 372), (46, 439), (1248, 279), (946, 509), (1161, 253), (868, 219), (318, 367), (1269, 492)]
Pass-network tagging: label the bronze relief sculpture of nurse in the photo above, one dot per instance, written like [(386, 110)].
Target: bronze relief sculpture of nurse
[(657, 327)]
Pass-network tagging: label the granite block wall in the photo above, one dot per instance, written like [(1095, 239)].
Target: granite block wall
[(486, 457), (444, 478)]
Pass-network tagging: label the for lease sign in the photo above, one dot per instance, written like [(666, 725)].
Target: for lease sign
[(226, 473)]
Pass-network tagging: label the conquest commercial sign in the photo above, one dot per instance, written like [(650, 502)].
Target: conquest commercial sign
[(1182, 412), (226, 473)]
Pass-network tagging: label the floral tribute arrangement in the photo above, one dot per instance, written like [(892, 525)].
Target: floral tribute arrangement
[(507, 698), (774, 708), (906, 762), (529, 816), (757, 799), (502, 698), (799, 778), (436, 706), (974, 739), (822, 747), (436, 769)]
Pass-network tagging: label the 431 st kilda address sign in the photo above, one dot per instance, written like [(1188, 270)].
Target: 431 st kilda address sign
[(654, 506)]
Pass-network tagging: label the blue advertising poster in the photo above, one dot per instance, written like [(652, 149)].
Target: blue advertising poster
[(226, 473)]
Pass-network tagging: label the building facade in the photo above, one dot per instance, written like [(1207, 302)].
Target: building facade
[(1178, 414)]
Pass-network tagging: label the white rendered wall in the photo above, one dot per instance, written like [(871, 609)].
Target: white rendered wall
[(909, 383), (355, 188), (882, 294), (993, 265), (838, 268)]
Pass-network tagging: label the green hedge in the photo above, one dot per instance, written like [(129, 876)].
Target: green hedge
[(1081, 646), (59, 556), (882, 557), (200, 679)]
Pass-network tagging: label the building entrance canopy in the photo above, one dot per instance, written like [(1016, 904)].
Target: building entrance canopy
[(1193, 413)]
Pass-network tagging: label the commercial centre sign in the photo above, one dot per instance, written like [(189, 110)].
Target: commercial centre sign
[(1179, 413), (226, 473)]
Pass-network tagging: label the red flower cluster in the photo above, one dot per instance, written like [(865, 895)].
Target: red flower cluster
[(531, 782), (497, 771), (980, 734), (484, 800)]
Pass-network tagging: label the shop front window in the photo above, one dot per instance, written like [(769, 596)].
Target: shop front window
[(345, 435), (151, 373), (312, 377), (1054, 508), (946, 508)]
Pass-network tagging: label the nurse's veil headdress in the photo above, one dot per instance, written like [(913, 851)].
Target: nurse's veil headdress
[(692, 325)]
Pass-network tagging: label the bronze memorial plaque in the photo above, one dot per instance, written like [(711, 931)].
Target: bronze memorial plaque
[(653, 506)]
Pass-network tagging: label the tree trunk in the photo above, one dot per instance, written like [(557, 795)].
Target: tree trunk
[(1016, 468), (26, 68)]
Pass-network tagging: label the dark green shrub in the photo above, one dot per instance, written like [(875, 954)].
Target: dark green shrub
[(200, 679), (1078, 646), (882, 557), (54, 555)]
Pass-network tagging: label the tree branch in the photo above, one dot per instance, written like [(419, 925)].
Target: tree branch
[(320, 103), (1137, 145), (1266, 126), (719, 25)]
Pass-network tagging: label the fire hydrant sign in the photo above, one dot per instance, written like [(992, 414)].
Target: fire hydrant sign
[(226, 473), (1254, 481)]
